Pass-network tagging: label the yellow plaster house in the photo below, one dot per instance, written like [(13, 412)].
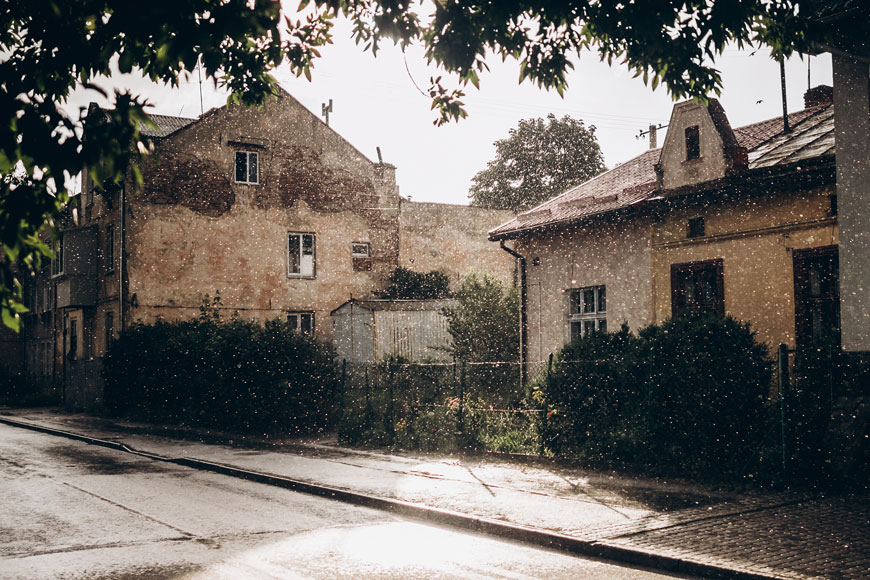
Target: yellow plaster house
[(740, 221)]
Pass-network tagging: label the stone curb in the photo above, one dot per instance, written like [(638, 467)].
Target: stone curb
[(536, 537)]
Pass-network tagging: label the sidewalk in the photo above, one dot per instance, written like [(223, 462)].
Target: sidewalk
[(677, 526)]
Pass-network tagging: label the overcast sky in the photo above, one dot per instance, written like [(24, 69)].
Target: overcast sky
[(376, 104)]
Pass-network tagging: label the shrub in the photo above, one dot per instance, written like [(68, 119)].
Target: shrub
[(688, 395), (235, 375)]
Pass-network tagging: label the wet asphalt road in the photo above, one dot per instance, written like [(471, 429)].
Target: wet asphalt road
[(72, 510)]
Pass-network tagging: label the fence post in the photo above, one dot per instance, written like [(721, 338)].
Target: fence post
[(369, 412), (389, 419), (460, 425), (543, 430), (783, 403), (342, 389)]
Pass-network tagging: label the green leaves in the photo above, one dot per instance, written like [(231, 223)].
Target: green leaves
[(538, 160)]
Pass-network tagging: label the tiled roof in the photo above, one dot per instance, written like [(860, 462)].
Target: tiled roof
[(635, 180), (166, 125), (751, 136), (812, 138)]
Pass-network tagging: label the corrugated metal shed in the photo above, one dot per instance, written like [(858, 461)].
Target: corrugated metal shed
[(372, 330)]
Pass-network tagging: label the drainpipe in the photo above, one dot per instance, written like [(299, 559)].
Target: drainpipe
[(523, 323), (121, 255)]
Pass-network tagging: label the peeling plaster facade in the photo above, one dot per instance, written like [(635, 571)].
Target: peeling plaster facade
[(268, 208)]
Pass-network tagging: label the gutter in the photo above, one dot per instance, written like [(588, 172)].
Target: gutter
[(523, 321)]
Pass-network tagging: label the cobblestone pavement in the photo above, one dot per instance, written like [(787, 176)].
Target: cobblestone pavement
[(768, 535)]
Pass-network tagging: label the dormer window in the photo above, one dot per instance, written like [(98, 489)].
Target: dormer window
[(247, 167), (693, 143)]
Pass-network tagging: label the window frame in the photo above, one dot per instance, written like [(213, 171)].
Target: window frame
[(110, 248), (682, 270), (692, 137), (581, 316), (301, 237), (57, 261), (299, 315), (247, 156)]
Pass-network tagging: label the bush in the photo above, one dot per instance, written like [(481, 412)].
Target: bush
[(19, 390), (686, 396), (235, 375)]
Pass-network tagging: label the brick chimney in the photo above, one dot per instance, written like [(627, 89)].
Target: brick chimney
[(820, 95)]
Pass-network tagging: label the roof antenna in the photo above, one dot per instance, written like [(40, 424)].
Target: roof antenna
[(325, 110), (785, 127), (199, 72)]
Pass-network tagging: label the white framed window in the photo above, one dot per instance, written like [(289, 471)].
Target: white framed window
[(300, 255), (301, 321), (587, 311), (360, 250), (247, 167)]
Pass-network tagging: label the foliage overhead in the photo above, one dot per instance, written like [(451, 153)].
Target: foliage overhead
[(405, 284), (538, 160), (49, 47), (484, 322)]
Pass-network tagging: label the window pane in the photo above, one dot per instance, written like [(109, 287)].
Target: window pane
[(693, 143), (588, 327), (602, 325), (294, 252), (253, 159), (602, 299), (574, 308), (305, 322), (576, 331), (589, 300), (307, 245), (307, 260), (241, 166), (293, 321)]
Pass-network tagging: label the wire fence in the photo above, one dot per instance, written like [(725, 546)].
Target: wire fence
[(439, 406)]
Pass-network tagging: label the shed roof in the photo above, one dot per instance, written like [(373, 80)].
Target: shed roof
[(634, 181)]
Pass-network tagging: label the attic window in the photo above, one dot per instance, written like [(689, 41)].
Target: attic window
[(696, 228), (247, 167), (693, 143)]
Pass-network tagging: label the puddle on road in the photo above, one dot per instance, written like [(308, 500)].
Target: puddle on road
[(103, 462)]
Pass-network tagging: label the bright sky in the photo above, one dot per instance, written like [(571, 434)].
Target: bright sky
[(376, 104)]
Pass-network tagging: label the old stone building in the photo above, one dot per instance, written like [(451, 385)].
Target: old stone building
[(266, 207), (740, 221)]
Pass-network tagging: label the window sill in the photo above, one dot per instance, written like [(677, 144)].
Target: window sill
[(300, 277)]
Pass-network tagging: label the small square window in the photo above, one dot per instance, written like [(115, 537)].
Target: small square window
[(247, 167), (301, 321), (360, 250), (693, 143), (696, 228)]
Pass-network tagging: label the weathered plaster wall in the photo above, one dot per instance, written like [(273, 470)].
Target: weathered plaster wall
[(754, 236), (677, 170), (193, 230), (612, 253), (453, 239)]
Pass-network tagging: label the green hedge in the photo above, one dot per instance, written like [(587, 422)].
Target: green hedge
[(688, 395), (235, 375)]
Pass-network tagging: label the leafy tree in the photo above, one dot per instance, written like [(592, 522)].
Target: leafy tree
[(49, 47), (484, 322), (407, 284), (537, 161)]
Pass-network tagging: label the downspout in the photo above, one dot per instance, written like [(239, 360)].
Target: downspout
[(122, 248), (523, 323)]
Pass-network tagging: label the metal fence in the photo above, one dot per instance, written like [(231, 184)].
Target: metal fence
[(455, 405)]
